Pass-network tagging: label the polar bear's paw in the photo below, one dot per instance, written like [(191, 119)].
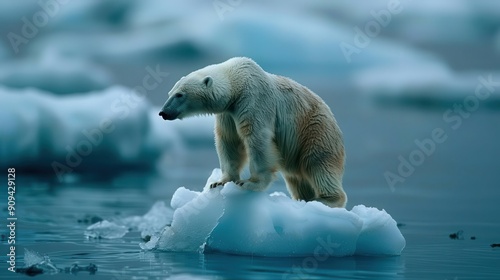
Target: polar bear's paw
[(251, 185), (216, 184)]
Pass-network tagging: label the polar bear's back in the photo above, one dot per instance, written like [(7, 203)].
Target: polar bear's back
[(305, 126), (305, 129)]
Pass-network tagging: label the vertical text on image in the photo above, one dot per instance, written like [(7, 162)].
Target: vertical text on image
[(11, 218)]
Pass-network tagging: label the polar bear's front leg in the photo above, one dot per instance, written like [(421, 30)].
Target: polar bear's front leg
[(230, 148), (263, 160)]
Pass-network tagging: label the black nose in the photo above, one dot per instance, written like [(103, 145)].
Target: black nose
[(163, 115)]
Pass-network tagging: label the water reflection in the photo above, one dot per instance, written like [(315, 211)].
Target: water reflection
[(248, 267)]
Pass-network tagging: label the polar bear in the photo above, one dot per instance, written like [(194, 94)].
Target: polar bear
[(272, 121)]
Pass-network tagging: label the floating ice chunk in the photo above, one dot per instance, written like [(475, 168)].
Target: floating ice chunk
[(129, 46), (165, 31), (34, 259), (154, 12), (106, 230), (188, 277), (152, 222), (54, 74), (81, 15), (36, 264), (420, 21), (151, 244), (232, 220), (108, 130), (392, 80), (424, 83), (39, 129)]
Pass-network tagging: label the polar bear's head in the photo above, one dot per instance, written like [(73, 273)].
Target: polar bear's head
[(209, 90), (187, 97)]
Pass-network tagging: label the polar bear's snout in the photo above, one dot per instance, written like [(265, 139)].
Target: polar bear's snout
[(169, 114), (166, 116), (172, 108)]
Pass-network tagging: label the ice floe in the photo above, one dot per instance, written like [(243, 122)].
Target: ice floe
[(230, 220), (107, 130), (427, 84), (54, 74)]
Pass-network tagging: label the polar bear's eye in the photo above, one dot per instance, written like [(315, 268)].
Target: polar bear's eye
[(178, 95)]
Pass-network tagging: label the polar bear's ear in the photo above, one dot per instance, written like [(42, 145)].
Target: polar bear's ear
[(208, 81)]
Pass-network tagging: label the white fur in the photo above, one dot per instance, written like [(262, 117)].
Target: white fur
[(271, 121)]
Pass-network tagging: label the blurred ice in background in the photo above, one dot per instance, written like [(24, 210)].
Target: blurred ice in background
[(61, 62)]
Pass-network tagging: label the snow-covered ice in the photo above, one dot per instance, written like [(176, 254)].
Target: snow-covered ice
[(161, 30), (130, 46), (230, 220), (427, 21), (39, 128), (55, 74), (102, 130), (429, 82), (90, 15)]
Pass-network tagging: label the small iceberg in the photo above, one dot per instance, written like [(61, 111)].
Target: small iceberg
[(231, 220), (104, 131)]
